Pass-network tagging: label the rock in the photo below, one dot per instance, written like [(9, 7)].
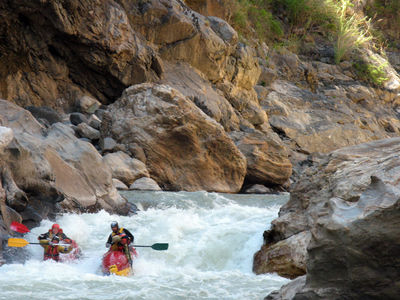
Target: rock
[(288, 291), (107, 55), (267, 161), (137, 152), (257, 189), (186, 80), (77, 118), (145, 184), (86, 131), (315, 123), (224, 30), (107, 144), (267, 76), (94, 122), (57, 169), (46, 113), (349, 201), (179, 32), (287, 257), (210, 8), (88, 105), (119, 185), (261, 91), (171, 129), (99, 113), (125, 168), (6, 136)]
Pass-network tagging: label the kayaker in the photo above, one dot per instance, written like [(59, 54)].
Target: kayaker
[(120, 239), (52, 248), (51, 240), (55, 230)]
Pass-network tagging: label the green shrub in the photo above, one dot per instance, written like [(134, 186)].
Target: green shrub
[(370, 72), (352, 31)]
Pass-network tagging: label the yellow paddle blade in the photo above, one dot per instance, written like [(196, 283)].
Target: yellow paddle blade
[(14, 242)]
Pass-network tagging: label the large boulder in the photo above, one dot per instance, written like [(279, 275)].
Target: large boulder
[(350, 204), (184, 148)]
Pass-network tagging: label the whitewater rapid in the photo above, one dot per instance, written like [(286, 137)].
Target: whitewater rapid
[(212, 238)]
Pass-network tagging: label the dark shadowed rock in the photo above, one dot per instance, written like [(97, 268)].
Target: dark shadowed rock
[(77, 118), (46, 113)]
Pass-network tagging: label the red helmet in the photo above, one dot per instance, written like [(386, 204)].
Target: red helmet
[(55, 226)]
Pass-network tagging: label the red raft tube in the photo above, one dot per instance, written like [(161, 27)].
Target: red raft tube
[(116, 262)]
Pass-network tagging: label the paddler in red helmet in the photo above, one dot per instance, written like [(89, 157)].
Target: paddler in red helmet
[(54, 242)]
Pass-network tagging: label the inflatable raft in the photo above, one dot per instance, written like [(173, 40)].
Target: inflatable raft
[(116, 262)]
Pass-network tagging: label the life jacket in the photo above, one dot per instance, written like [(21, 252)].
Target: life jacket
[(52, 252), (119, 232), (124, 239)]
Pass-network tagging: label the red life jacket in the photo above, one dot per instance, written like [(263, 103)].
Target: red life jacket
[(52, 253)]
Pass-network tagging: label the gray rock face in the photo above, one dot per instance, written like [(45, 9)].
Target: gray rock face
[(185, 149), (350, 202)]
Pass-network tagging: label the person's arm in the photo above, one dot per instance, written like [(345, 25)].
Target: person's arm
[(65, 239), (108, 244), (129, 234), (44, 236)]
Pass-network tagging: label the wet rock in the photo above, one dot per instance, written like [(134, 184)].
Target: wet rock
[(288, 291), (257, 189)]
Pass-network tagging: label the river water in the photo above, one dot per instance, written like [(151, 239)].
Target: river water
[(212, 238)]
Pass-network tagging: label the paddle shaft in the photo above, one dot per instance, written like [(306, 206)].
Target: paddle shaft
[(157, 246)]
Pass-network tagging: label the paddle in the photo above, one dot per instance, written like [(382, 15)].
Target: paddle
[(158, 246), (15, 242), (18, 227)]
